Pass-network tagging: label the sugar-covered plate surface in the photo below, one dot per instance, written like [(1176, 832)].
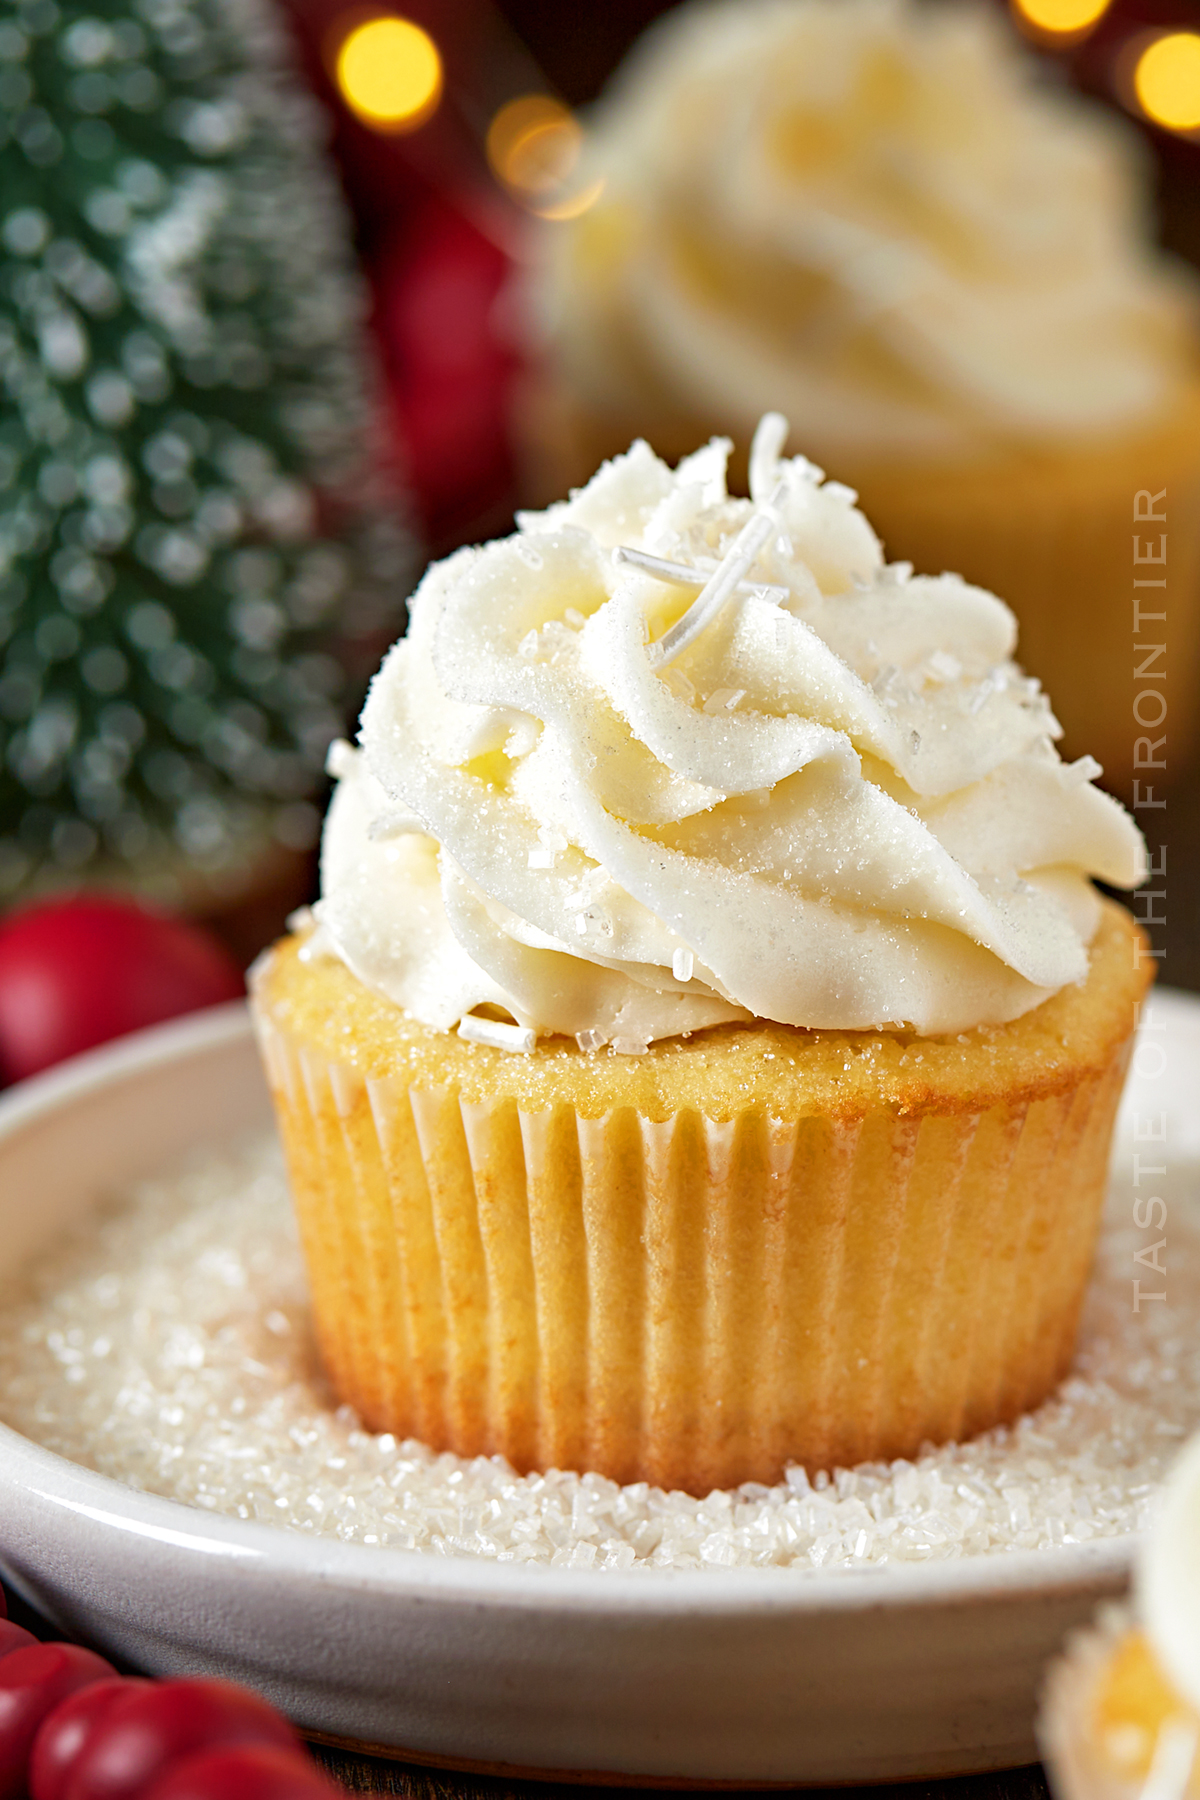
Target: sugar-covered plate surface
[(475, 1648)]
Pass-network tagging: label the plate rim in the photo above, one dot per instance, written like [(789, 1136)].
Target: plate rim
[(277, 1552), (58, 1482)]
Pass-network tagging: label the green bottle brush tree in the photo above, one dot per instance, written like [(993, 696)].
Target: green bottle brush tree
[(195, 521)]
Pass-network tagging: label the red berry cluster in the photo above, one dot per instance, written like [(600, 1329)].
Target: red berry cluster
[(71, 1728)]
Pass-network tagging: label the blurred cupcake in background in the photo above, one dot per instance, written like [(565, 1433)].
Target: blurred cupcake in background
[(872, 215), (1121, 1711)]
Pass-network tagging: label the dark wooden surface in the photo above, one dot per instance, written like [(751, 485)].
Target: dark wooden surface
[(370, 1777)]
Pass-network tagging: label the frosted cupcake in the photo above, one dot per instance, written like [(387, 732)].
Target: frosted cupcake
[(706, 1052), (870, 213), (1121, 1713)]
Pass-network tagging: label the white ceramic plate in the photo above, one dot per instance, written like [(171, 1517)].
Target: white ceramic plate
[(741, 1677)]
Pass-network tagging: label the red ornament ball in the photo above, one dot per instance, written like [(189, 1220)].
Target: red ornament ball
[(76, 972)]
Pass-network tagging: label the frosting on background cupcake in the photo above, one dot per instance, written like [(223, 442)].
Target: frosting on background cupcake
[(869, 213), (834, 802)]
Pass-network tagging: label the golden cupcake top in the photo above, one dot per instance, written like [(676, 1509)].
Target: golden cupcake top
[(878, 215), (667, 759)]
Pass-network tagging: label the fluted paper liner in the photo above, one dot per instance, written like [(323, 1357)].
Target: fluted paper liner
[(689, 1302)]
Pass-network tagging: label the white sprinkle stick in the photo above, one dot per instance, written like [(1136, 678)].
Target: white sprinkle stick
[(686, 576), (713, 596), (496, 1034), (682, 964), (765, 451)]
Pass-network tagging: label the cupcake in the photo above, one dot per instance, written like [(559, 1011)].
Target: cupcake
[(1121, 1711), (876, 215), (704, 1053)]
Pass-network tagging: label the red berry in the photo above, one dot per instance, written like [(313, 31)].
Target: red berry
[(74, 973), (3, 1605), (249, 1772), (156, 1726), (65, 1731), (32, 1682), (14, 1637)]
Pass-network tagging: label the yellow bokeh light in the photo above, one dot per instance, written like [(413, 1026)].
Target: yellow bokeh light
[(1064, 18), (389, 72), (533, 144), (1167, 81)]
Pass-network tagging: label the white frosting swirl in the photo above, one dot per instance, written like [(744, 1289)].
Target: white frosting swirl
[(837, 805), (870, 214), (1168, 1577)]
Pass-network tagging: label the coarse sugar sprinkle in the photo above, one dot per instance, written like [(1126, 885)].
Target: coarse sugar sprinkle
[(169, 1346)]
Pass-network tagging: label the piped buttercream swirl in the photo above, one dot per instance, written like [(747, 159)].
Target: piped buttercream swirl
[(590, 800)]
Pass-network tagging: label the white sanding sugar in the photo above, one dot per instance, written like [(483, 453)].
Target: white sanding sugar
[(170, 1347)]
